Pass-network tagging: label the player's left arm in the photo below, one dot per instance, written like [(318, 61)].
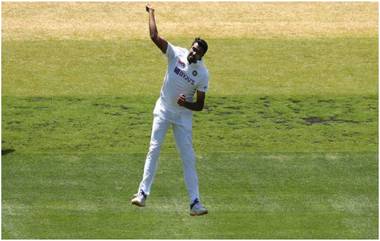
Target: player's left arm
[(194, 106)]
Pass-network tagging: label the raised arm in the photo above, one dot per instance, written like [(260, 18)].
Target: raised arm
[(160, 42)]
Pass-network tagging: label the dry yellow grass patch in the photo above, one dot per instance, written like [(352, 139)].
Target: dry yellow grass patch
[(109, 20)]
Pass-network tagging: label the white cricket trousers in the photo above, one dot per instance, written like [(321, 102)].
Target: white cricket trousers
[(182, 129)]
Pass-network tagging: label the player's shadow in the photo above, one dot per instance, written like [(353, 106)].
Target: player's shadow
[(7, 151)]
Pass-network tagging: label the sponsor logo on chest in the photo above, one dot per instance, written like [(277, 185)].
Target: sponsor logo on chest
[(183, 74)]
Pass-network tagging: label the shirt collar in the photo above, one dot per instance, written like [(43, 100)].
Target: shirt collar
[(198, 63)]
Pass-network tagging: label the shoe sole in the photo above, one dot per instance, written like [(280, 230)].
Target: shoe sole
[(138, 204), (198, 214)]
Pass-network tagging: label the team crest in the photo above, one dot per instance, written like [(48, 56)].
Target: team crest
[(195, 73)]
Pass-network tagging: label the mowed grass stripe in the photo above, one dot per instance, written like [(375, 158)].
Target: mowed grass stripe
[(339, 66), (228, 123), (274, 195)]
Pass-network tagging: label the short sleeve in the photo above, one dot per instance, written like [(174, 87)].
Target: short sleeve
[(170, 51), (203, 84)]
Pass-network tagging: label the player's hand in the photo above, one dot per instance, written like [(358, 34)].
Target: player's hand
[(181, 100), (149, 8)]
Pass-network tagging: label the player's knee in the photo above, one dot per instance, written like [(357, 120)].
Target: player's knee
[(185, 145), (154, 146)]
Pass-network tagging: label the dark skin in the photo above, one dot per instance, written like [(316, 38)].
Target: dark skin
[(195, 54)]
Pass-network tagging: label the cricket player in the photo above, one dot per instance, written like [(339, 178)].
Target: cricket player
[(186, 75)]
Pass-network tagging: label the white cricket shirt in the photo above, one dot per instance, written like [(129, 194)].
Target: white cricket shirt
[(181, 78)]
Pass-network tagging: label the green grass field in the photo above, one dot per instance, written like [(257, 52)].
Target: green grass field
[(287, 145)]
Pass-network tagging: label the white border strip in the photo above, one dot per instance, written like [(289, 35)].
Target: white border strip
[(259, 1)]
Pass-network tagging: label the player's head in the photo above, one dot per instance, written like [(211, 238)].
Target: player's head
[(197, 51)]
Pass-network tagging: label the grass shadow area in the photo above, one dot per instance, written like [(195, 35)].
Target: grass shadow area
[(263, 123)]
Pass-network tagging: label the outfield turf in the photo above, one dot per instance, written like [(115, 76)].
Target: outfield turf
[(261, 195), (287, 145)]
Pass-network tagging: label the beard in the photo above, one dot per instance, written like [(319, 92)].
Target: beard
[(191, 59)]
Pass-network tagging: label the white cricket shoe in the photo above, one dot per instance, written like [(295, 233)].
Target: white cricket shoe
[(139, 199), (196, 208)]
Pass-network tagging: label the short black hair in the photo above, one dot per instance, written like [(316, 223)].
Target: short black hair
[(202, 43)]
